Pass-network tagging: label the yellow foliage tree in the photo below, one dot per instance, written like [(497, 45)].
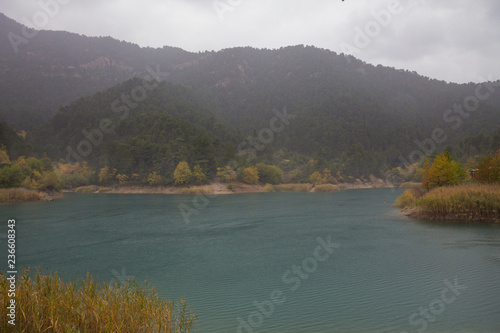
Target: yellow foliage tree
[(198, 175), (123, 179), (4, 157), (443, 172), (182, 174), (489, 169), (106, 175), (154, 179), (251, 175), (327, 175), (316, 178), (226, 174)]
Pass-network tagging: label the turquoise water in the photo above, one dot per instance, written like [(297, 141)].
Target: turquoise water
[(234, 261)]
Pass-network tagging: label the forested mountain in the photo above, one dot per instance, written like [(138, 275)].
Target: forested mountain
[(360, 117), (171, 124)]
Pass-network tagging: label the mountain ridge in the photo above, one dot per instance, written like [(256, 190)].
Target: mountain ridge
[(344, 108)]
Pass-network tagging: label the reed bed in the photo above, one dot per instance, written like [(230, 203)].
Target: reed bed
[(466, 202), (410, 185), (11, 195), (47, 304), (469, 202), (409, 197)]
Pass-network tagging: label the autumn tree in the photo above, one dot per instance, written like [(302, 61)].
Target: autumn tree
[(4, 157), (226, 174), (199, 177), (251, 175), (106, 175), (321, 177), (154, 179), (122, 179), (443, 172), (182, 174), (489, 169), (316, 178), (74, 175)]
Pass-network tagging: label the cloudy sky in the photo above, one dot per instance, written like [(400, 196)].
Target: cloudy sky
[(455, 40)]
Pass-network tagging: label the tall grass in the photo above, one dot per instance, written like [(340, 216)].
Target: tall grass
[(466, 202), (409, 197), (47, 304), (410, 185), (326, 188), (469, 202), (11, 195)]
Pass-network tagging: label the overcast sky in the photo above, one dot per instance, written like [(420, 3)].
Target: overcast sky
[(452, 40)]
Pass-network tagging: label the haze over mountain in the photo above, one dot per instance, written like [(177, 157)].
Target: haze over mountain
[(342, 108)]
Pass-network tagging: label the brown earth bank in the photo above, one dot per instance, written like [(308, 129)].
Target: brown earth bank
[(420, 214)]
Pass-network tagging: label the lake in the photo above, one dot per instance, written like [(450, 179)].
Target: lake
[(275, 262)]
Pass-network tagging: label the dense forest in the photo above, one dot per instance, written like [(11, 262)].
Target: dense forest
[(300, 108)]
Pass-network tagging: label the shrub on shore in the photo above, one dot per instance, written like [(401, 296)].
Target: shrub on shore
[(12, 195), (47, 304)]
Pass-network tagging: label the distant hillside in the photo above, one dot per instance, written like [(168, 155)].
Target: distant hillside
[(13, 142), (54, 68), (169, 125), (361, 117)]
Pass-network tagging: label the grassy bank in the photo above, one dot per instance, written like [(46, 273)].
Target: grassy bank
[(47, 304), (326, 188), (10, 195), (471, 202)]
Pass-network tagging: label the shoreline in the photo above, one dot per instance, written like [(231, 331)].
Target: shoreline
[(420, 214), (214, 188)]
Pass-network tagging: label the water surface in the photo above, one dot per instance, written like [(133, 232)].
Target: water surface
[(239, 252)]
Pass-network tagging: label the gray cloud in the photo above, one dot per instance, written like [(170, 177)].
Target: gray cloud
[(451, 40)]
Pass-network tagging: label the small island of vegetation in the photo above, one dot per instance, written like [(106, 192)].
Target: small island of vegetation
[(448, 193)]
